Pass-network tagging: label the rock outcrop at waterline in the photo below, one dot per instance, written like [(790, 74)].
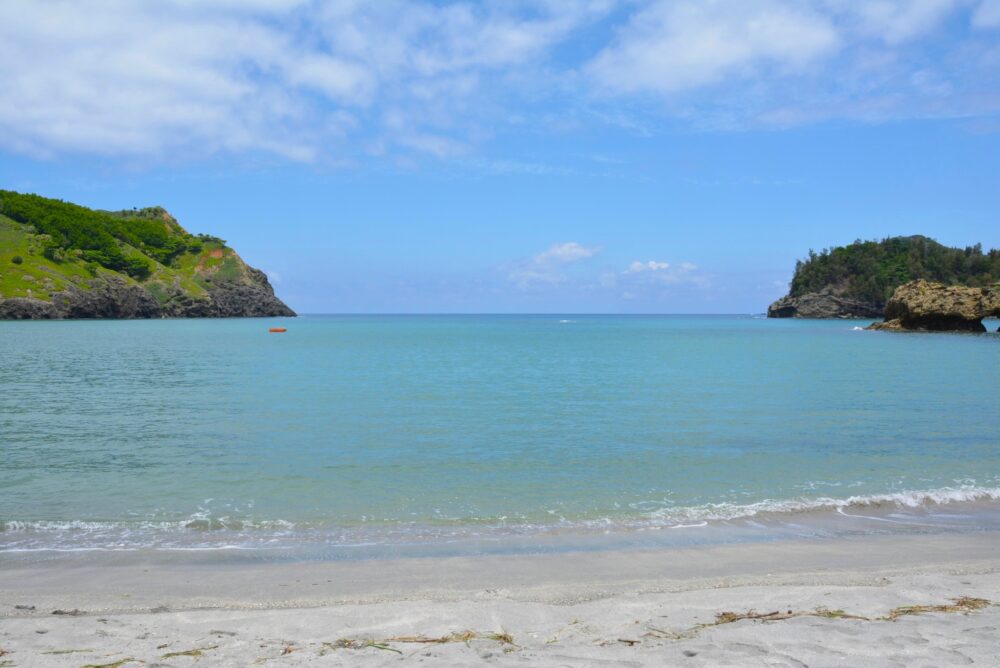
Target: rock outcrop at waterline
[(857, 280), (933, 307), (60, 260), (110, 297), (823, 304)]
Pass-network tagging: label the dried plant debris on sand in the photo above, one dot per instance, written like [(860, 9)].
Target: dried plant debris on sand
[(464, 636), (113, 664), (963, 604), (196, 652), (501, 637), (350, 643), (67, 651), (777, 616)]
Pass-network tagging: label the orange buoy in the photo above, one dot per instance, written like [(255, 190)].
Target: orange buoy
[(277, 330)]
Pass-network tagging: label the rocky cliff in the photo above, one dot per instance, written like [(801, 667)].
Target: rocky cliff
[(112, 297), (825, 304), (857, 280), (59, 260), (926, 306)]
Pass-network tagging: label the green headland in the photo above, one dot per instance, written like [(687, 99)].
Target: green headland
[(857, 280), (61, 260)]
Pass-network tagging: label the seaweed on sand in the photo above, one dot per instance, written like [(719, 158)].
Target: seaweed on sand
[(197, 652), (836, 614), (464, 636), (67, 651), (963, 604), (114, 664), (502, 637), (777, 616), (350, 643)]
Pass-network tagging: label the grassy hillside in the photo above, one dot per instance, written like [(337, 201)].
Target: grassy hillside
[(47, 245), (871, 270)]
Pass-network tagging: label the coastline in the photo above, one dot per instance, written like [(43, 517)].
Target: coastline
[(582, 608), (599, 503)]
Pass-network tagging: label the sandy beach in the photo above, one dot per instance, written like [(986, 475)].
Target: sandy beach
[(787, 603)]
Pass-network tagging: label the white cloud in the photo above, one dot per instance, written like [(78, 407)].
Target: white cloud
[(570, 251), (436, 145), (664, 273), (639, 267), (987, 14), (119, 79), (185, 78), (896, 21), (738, 64), (546, 268), (673, 46), (336, 78), (402, 80)]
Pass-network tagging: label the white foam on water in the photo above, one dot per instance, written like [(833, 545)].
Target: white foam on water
[(908, 499), (201, 533)]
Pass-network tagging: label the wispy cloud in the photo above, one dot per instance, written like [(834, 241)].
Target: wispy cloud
[(301, 80), (673, 46), (547, 268), (400, 80), (987, 15), (739, 64), (665, 273), (638, 267), (896, 21)]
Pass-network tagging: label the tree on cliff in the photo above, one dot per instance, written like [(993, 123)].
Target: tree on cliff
[(870, 270)]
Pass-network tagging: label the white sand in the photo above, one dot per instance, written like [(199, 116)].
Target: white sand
[(589, 609)]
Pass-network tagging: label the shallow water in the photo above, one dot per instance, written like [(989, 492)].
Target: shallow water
[(387, 435)]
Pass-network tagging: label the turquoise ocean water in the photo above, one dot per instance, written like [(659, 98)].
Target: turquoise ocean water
[(395, 435)]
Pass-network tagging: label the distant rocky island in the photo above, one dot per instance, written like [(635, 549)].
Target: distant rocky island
[(857, 281), (60, 260)]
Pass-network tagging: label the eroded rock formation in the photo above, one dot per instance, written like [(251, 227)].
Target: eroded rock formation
[(933, 307), (823, 304), (247, 295)]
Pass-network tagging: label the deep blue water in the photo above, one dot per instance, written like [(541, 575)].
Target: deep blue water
[(396, 430)]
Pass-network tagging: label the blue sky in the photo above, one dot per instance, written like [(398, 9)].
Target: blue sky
[(666, 156)]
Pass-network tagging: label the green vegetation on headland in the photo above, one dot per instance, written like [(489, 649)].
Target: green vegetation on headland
[(858, 279), (871, 270), (63, 260)]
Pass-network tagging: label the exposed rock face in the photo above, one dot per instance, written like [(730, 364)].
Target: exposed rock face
[(138, 263), (253, 297), (823, 304), (23, 308), (933, 307), (111, 297)]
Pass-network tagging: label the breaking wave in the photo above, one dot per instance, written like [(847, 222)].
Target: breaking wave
[(905, 499), (201, 532)]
